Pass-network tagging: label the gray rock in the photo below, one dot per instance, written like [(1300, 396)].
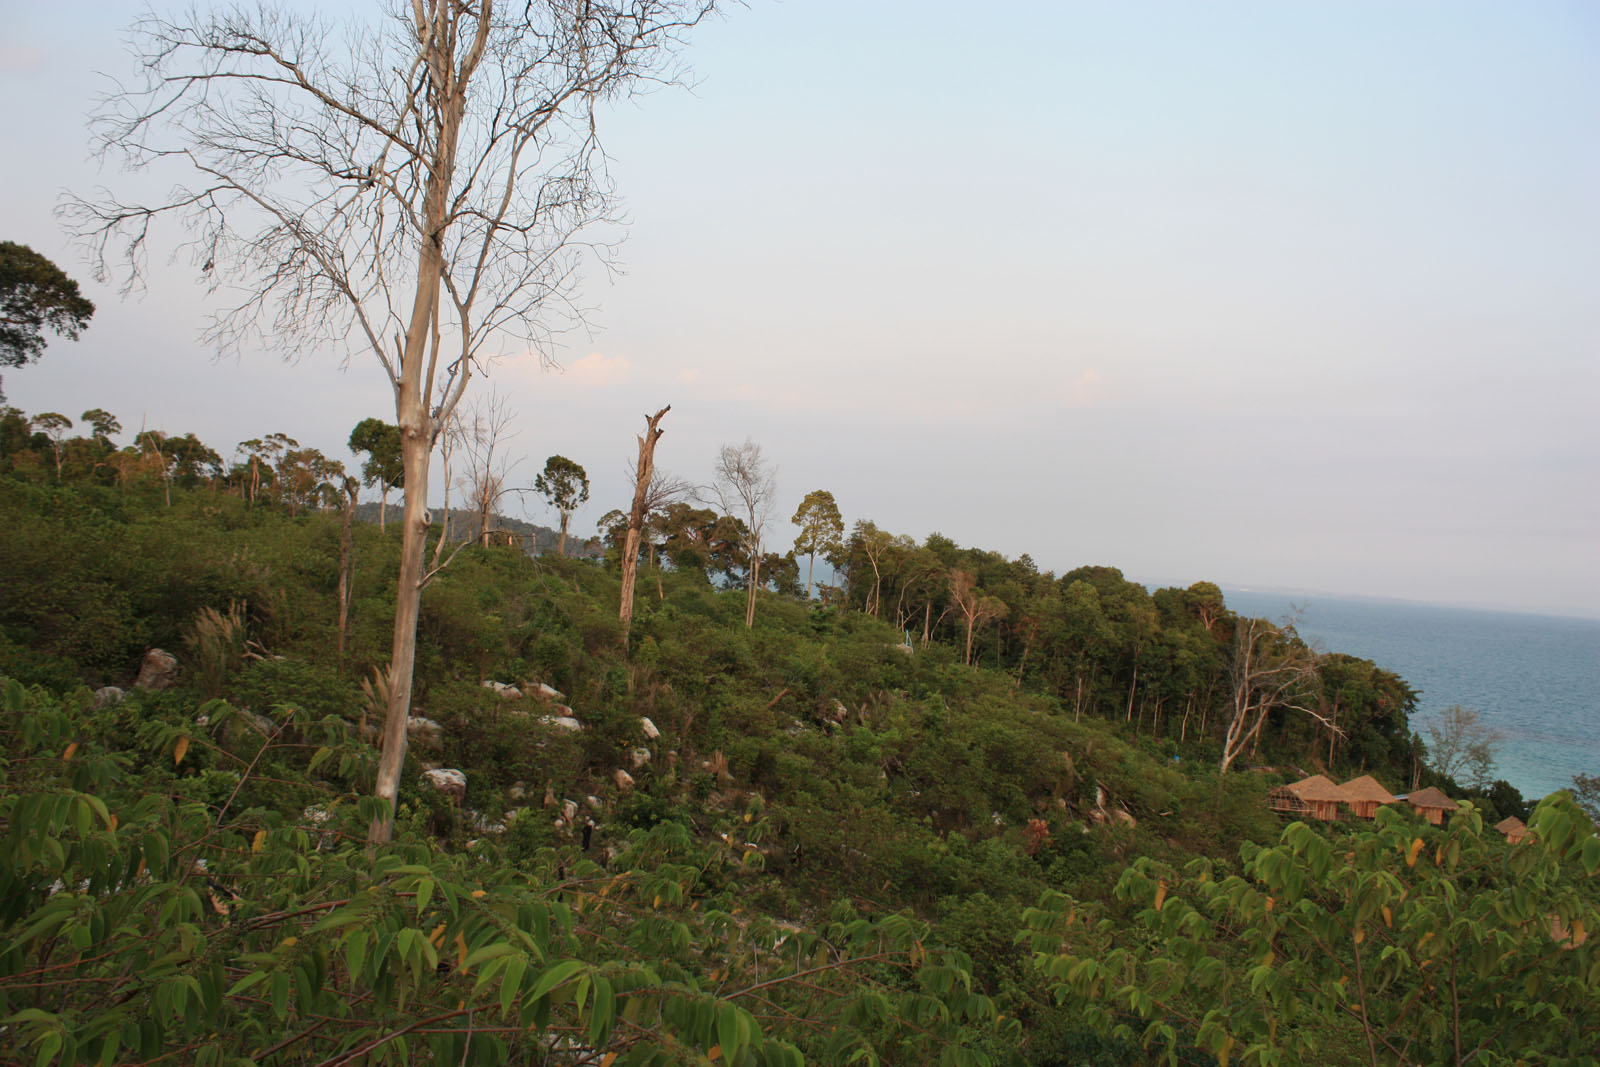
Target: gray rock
[(648, 728), (452, 783), (107, 696), (158, 670), (545, 692), (505, 692), (640, 757), (518, 791), (623, 779), (563, 722)]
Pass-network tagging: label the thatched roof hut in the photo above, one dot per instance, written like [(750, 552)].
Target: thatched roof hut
[(1365, 796), (1315, 796), (1513, 828), (1431, 804)]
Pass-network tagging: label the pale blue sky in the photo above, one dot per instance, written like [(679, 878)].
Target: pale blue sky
[(1268, 294)]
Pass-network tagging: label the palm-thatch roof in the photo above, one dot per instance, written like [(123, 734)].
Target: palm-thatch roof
[(1513, 828), (1431, 797), (1367, 788), (1316, 788)]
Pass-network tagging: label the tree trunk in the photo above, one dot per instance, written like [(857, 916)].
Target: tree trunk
[(811, 563), (346, 565), (641, 490), (561, 542), (750, 593), (383, 506)]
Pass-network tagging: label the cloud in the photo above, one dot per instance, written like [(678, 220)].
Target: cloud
[(689, 377), (1084, 390), (599, 371), (20, 57)]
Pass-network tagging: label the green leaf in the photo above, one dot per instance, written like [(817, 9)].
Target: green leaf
[(554, 976)]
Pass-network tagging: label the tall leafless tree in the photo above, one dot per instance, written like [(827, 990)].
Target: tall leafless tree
[(410, 187), (643, 477), (1271, 668), (746, 487), (485, 430)]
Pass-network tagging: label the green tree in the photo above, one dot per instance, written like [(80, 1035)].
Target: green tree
[(821, 530), (1400, 945), (103, 424), (566, 485), (35, 295), (384, 466), (54, 426)]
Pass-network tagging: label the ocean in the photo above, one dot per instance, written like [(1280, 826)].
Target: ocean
[(1534, 678)]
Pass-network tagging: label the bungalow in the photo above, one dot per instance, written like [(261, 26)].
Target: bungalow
[(1366, 795), (1431, 804), (1514, 829), (1316, 797)]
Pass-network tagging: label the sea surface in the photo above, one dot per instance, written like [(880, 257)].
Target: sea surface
[(1535, 678)]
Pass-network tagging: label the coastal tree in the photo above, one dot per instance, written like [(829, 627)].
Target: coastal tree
[(35, 296), (565, 484), (746, 488), (1462, 746), (1271, 669), (409, 187), (383, 466), (821, 529)]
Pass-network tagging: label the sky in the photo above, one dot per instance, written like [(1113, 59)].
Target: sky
[(1298, 296)]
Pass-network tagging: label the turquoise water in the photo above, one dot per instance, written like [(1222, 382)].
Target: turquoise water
[(1535, 678)]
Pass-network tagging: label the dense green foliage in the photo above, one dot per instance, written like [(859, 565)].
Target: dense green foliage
[(808, 838)]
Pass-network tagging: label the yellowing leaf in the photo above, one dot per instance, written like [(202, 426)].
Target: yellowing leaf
[(461, 950), (1388, 918), (1359, 936), (478, 894), (113, 822), (259, 841), (1161, 894), (1411, 856), (747, 816), (290, 942), (71, 749), (715, 1053), (180, 749), (610, 1058), (437, 937)]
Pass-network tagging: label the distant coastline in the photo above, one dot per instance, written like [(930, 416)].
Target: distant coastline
[(1535, 677)]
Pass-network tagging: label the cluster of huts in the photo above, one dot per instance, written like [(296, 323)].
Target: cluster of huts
[(1317, 797)]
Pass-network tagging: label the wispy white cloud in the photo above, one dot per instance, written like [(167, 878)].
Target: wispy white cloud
[(20, 57), (1084, 390), (599, 371)]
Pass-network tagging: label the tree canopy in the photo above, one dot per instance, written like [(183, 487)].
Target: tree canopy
[(35, 296)]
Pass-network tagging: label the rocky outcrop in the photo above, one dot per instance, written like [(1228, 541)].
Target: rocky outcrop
[(107, 696), (452, 783), (158, 671), (503, 691)]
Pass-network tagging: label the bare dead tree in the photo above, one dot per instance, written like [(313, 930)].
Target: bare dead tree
[(643, 476), (450, 433), (485, 432), (975, 608), (411, 187), (1271, 668), (746, 487)]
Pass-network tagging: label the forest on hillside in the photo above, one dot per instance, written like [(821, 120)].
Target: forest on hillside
[(947, 809)]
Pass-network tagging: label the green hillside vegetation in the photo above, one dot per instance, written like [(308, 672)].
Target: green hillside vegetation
[(956, 811)]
